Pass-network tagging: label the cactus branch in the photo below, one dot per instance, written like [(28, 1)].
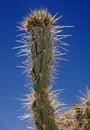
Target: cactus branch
[(42, 47)]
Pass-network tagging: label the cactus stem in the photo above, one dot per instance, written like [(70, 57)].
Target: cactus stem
[(40, 46)]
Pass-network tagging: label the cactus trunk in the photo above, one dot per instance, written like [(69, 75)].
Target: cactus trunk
[(38, 28), (42, 60), (42, 47)]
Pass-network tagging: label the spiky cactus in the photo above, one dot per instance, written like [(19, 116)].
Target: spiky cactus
[(81, 110), (39, 24), (83, 118), (77, 117), (42, 45)]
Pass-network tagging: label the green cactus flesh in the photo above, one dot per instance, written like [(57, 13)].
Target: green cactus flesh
[(42, 61), (42, 58)]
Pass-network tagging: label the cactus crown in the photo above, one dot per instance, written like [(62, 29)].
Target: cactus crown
[(38, 18)]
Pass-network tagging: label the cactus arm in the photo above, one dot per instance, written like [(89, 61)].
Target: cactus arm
[(42, 46), (38, 24)]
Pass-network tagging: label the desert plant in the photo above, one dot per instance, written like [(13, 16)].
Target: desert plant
[(77, 117), (42, 45), (83, 115)]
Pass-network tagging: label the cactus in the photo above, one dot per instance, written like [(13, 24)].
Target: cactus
[(82, 112), (39, 24), (77, 117), (85, 102), (40, 45)]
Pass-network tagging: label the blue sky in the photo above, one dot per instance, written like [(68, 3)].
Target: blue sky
[(73, 75)]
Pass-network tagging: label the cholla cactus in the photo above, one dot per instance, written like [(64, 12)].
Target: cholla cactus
[(82, 112), (77, 117), (66, 120), (42, 45), (85, 102)]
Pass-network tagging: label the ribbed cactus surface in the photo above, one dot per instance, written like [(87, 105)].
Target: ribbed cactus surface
[(42, 61), (42, 57), (39, 24)]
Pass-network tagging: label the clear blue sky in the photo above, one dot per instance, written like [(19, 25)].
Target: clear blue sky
[(73, 74)]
